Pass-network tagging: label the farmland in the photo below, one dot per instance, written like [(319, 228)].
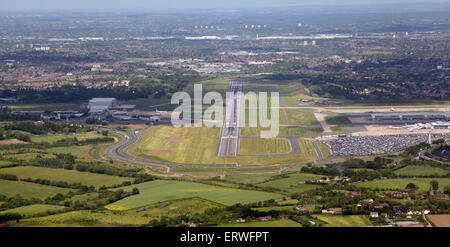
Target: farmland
[(344, 220), (69, 176), (33, 209), (422, 183), (159, 191), (421, 171), (272, 223), (28, 191)]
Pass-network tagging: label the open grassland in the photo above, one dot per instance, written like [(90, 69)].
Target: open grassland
[(69, 176), (400, 183), (272, 223), (295, 91), (57, 137), (291, 183), (196, 146), (264, 146), (249, 179), (187, 206), (28, 191), (85, 218), (344, 220), (31, 210), (421, 171), (337, 120), (160, 190), (324, 149), (284, 131), (297, 117), (276, 208), (307, 148)]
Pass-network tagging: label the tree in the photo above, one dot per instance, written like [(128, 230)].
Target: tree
[(411, 186), (135, 191), (434, 184)]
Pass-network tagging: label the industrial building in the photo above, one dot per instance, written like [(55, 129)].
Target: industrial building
[(410, 116), (100, 105)]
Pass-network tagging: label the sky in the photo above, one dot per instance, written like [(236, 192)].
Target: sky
[(26, 5)]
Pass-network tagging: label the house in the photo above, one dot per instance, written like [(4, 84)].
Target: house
[(191, 224), (439, 196), (265, 218), (368, 200), (356, 193), (335, 210), (397, 194), (381, 205), (374, 214), (240, 220), (284, 217)]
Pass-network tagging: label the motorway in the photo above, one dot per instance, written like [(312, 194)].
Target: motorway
[(230, 132)]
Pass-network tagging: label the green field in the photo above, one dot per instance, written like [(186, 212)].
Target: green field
[(276, 208), (28, 191), (272, 223), (85, 218), (264, 146), (56, 137), (187, 206), (337, 120), (70, 176), (307, 148), (297, 117), (196, 146), (344, 220), (246, 179), (291, 183), (421, 171), (284, 131), (33, 209), (160, 190), (400, 183)]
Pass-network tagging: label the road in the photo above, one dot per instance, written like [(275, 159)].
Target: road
[(230, 132), (119, 151)]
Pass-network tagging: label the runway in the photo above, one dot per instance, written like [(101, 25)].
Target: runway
[(229, 135)]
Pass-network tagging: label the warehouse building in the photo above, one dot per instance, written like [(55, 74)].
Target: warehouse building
[(99, 105)]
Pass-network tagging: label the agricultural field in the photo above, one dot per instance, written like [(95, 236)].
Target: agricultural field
[(344, 220), (31, 210), (246, 179), (160, 190), (28, 190), (57, 137), (271, 223), (292, 183), (69, 176), (276, 208), (84, 218), (187, 206), (400, 183), (264, 146), (421, 171)]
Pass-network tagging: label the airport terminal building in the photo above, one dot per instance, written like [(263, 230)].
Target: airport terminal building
[(410, 116)]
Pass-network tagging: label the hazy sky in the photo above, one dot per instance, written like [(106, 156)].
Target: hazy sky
[(172, 4)]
